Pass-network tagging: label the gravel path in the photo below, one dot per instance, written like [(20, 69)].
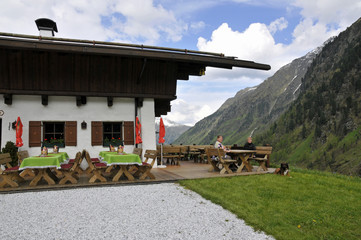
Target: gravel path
[(157, 211)]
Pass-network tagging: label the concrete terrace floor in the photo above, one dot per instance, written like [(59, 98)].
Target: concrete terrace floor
[(186, 170)]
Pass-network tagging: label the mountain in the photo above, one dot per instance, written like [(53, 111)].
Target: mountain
[(251, 110), (172, 131), (321, 129)]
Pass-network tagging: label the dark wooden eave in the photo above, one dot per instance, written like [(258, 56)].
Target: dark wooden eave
[(70, 67)]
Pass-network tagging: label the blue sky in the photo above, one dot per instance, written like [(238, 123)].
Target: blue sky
[(273, 32)]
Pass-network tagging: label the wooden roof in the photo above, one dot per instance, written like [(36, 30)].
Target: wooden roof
[(68, 67)]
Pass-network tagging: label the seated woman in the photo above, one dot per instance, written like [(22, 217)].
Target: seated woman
[(249, 145)]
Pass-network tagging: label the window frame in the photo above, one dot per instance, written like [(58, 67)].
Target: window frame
[(113, 140), (54, 132)]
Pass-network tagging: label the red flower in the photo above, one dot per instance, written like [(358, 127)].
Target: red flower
[(112, 138), (119, 138)]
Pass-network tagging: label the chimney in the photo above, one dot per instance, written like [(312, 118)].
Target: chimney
[(46, 27)]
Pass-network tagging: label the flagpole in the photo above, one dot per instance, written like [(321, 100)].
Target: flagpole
[(161, 157)]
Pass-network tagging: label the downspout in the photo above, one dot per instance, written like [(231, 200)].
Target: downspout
[(135, 118)]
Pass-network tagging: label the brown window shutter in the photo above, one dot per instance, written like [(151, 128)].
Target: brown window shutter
[(97, 133), (34, 133), (71, 133), (128, 133)]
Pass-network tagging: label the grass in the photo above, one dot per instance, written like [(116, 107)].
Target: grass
[(307, 205)]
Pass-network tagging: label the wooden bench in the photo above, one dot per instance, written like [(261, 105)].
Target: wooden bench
[(138, 151), (263, 154), (194, 153), (172, 153), (69, 170), (144, 169), (27, 174), (10, 176), (216, 156)]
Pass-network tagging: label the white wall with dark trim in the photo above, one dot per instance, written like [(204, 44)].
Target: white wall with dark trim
[(60, 108)]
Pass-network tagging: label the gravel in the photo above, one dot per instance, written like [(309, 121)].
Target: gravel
[(156, 211)]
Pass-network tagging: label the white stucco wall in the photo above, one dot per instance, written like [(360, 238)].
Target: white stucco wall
[(29, 108), (147, 120)]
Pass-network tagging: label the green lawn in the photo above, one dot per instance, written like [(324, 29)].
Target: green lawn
[(307, 205)]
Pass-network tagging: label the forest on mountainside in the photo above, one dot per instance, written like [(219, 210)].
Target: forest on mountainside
[(321, 129)]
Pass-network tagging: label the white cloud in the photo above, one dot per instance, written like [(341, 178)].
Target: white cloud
[(139, 21), (278, 25), (256, 43), (185, 113)]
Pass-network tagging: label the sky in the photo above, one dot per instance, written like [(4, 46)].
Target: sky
[(273, 32)]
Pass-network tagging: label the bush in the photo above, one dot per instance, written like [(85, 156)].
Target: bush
[(12, 149)]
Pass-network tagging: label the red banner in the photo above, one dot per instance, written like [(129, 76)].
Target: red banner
[(19, 133), (161, 131), (138, 131)]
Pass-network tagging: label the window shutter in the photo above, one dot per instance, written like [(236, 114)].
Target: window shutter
[(97, 133), (34, 133), (71, 133), (128, 133)]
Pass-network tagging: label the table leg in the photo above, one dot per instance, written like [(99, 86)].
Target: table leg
[(118, 175), (123, 170), (109, 169), (245, 163), (37, 178), (43, 173), (127, 173), (49, 176)]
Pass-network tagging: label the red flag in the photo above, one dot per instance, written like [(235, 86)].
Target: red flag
[(138, 131), (161, 131), (19, 133)]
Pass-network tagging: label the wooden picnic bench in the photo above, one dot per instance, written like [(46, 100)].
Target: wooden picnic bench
[(27, 174), (216, 157), (262, 156), (172, 153), (10, 176), (147, 165)]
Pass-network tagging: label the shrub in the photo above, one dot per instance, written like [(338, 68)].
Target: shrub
[(12, 149)]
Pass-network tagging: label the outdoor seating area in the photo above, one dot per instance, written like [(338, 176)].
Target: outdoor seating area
[(240, 158), (58, 169)]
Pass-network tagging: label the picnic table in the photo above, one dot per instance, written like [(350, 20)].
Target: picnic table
[(122, 160), (43, 165), (244, 155)]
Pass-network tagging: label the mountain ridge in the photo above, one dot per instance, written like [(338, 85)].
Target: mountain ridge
[(269, 99)]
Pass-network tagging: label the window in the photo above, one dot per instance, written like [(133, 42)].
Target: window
[(53, 131), (112, 133), (103, 133)]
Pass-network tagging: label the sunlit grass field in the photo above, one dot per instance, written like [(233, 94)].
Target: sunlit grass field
[(307, 205)]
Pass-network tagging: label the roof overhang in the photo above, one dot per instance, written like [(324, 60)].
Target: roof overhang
[(217, 60)]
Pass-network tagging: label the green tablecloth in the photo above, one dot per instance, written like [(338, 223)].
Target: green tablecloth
[(42, 162), (113, 158), (63, 155)]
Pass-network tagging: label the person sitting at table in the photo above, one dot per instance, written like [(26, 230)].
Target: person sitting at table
[(249, 145), (219, 144)]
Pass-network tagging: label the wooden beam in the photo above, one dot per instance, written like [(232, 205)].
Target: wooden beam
[(88, 94), (110, 101), (83, 100), (44, 100), (78, 101), (8, 99)]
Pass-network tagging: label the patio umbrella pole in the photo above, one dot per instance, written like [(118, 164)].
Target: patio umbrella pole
[(161, 157)]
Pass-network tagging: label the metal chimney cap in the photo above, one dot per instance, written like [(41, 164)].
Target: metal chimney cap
[(46, 24)]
